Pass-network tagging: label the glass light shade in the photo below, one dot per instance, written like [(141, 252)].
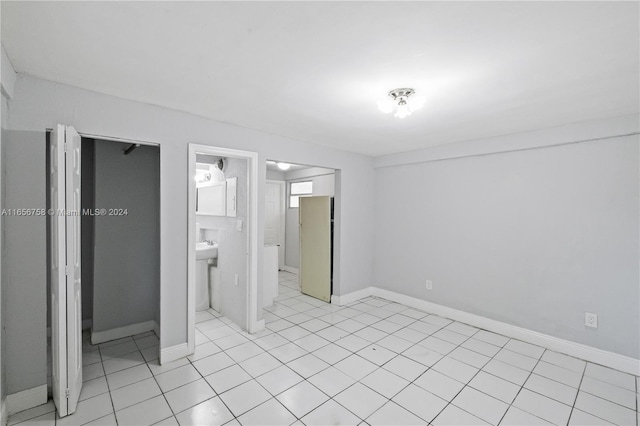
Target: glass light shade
[(284, 166), (402, 111)]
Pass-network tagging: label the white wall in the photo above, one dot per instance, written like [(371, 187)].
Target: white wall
[(126, 281), (533, 238), (323, 184), (39, 104)]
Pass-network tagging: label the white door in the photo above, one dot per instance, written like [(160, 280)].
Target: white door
[(274, 217), (66, 308), (315, 247)]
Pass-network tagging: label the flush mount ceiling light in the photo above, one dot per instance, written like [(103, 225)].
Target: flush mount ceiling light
[(283, 166), (402, 101)]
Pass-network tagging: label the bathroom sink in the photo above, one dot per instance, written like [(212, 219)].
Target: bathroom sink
[(206, 251)]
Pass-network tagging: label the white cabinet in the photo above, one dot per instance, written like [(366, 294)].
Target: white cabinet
[(211, 199)]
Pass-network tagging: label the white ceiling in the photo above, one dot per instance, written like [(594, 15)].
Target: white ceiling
[(313, 71)]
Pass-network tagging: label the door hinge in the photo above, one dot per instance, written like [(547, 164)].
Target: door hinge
[(67, 270), (65, 147), (66, 393)]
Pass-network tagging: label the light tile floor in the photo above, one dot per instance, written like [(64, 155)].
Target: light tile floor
[(373, 362)]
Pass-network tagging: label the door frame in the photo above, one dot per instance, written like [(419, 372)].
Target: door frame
[(283, 195), (253, 324)]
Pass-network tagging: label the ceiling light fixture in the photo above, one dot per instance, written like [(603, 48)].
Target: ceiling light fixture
[(402, 101), (283, 166)]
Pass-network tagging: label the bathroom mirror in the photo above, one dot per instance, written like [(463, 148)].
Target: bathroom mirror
[(211, 188)]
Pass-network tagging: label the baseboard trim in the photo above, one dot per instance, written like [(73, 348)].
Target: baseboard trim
[(290, 269), (3, 412), (25, 399), (578, 350), (173, 353), (345, 299), (120, 332), (87, 324)]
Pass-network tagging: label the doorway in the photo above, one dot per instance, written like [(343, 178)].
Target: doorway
[(222, 237), (104, 252), (298, 182)]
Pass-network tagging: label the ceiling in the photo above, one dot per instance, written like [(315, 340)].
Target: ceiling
[(313, 71)]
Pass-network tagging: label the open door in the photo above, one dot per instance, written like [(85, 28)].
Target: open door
[(315, 247), (66, 308)]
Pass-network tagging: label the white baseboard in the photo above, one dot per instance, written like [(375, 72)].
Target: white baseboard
[(86, 324), (3, 412), (578, 350), (25, 399), (173, 353), (345, 299), (120, 332), (290, 269)]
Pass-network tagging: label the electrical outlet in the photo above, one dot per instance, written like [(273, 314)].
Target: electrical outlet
[(591, 320), (235, 280), (429, 285)]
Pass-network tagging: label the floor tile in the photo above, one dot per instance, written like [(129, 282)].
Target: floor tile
[(455, 416), (32, 413), (41, 420), (438, 384), (307, 365), (177, 377), (543, 407), (438, 345), (422, 355), (228, 378), (405, 367), (604, 409), (88, 410), (455, 369), (108, 420), (213, 363), (518, 417), (145, 413), (258, 365), (352, 343), (376, 354), (609, 375), (492, 338), (361, 400), (558, 374), (156, 368), (580, 418), (268, 413), (393, 414), (469, 357), (279, 379), (189, 395), (410, 335), (554, 390), (311, 342), (332, 353), (92, 371), (450, 336), (420, 402), (134, 393), (462, 328), (302, 398), (523, 348), (245, 397), (494, 386), (271, 341), (116, 351), (516, 359), (384, 382), (330, 413), (93, 388), (356, 367), (128, 376), (244, 351), (505, 371), (370, 334), (331, 381), (609, 392), (287, 352), (564, 361), (480, 405), (481, 347), (394, 344), (123, 362)]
